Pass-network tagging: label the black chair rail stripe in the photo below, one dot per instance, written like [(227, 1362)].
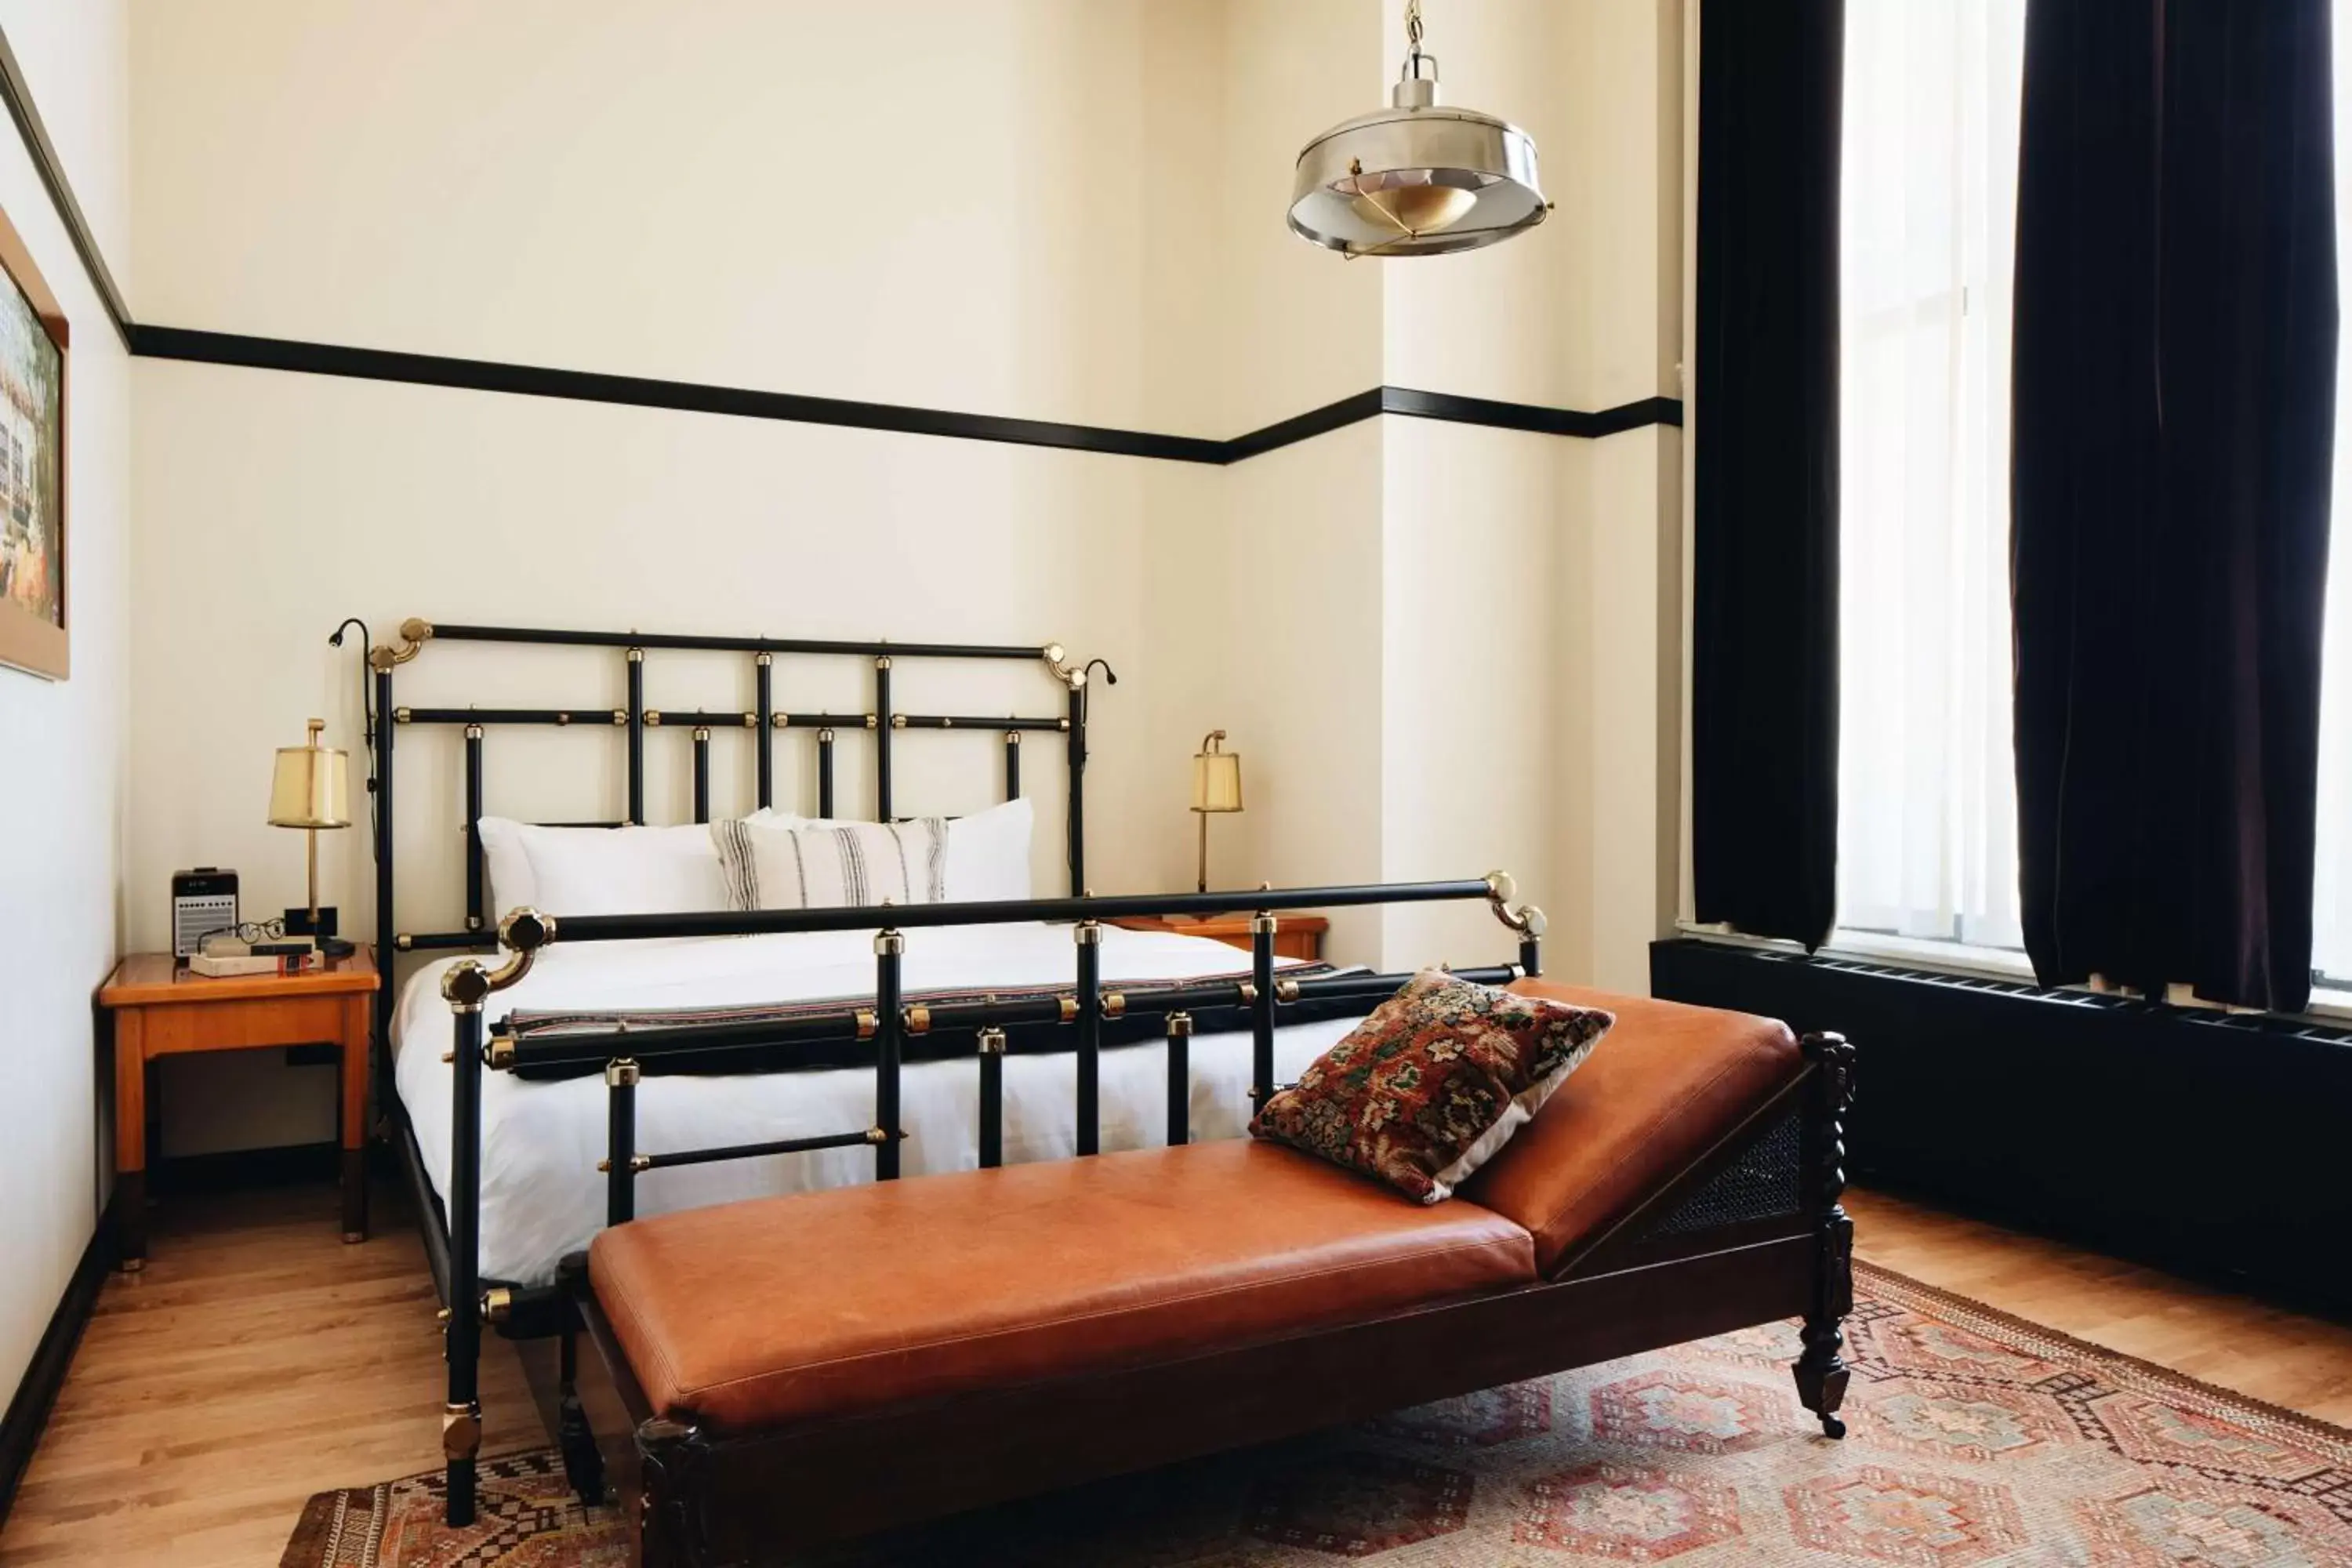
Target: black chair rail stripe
[(699, 397)]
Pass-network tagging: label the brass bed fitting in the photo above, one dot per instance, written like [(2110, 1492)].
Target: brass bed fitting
[(1524, 919), (414, 633)]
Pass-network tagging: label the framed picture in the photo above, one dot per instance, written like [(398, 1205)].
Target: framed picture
[(34, 614)]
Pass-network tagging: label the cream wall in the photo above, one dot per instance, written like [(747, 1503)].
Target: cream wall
[(1477, 617), (1299, 332), (1626, 343), (1263, 596), (1530, 580), (1497, 322), (61, 743), (908, 201), (1440, 647), (1264, 620)]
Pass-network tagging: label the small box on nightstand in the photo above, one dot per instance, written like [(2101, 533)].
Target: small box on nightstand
[(1295, 936)]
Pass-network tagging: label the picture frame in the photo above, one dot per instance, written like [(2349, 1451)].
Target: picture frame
[(35, 604)]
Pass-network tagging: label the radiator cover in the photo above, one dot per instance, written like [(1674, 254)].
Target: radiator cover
[(2213, 1144)]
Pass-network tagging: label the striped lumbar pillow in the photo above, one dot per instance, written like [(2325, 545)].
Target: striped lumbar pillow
[(831, 865)]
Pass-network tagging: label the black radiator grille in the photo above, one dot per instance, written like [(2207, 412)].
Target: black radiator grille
[(2207, 1142)]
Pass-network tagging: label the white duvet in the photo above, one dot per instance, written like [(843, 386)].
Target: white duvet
[(541, 1194)]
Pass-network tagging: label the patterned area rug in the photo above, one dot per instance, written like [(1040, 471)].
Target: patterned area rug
[(1975, 1438)]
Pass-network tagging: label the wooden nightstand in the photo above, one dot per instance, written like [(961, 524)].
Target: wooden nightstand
[(161, 1009), (1297, 936)]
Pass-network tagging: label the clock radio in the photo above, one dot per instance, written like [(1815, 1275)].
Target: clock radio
[(202, 900)]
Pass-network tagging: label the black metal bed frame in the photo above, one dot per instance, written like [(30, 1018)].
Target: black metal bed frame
[(883, 722), (452, 1235), (762, 720), (538, 1310)]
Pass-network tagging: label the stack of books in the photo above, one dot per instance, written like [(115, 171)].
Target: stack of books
[(287, 956)]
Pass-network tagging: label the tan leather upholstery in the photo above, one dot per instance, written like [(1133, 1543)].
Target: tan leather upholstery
[(1657, 1092), (776, 1310)]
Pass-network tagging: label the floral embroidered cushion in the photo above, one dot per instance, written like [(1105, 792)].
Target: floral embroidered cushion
[(1433, 1084)]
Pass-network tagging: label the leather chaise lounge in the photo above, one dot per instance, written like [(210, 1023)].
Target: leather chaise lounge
[(807, 1367)]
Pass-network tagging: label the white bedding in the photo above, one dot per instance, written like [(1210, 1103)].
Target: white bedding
[(541, 1194)]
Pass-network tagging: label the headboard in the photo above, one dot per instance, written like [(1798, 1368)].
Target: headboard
[(630, 724)]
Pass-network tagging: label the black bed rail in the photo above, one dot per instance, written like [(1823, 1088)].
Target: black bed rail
[(641, 1163), (770, 922), (886, 1022), (1003, 911), (719, 643), (852, 1021)]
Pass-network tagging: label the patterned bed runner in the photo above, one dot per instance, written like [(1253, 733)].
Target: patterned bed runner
[(936, 1044)]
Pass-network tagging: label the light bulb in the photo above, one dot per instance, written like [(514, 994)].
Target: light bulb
[(1416, 209)]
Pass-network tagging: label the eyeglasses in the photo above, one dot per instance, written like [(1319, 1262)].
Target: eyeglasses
[(250, 931)]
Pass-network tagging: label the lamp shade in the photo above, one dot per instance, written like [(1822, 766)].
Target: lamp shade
[(1417, 181), (311, 785), (1216, 776), (1416, 178)]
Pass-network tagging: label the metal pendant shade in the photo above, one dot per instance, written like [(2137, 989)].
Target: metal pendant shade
[(1415, 178)]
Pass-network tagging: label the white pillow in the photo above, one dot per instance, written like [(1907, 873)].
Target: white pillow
[(988, 852), (831, 865), (602, 870)]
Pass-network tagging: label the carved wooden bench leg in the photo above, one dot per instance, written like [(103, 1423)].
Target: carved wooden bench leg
[(583, 1466), (670, 1506), (1821, 1372)]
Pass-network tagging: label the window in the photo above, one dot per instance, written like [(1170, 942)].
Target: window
[(2331, 928), (1927, 777), (1927, 786)]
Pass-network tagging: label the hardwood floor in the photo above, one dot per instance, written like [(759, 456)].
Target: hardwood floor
[(259, 1360), (2279, 1357), (256, 1361)]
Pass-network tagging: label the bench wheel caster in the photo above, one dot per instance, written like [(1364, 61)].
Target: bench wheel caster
[(1832, 1427)]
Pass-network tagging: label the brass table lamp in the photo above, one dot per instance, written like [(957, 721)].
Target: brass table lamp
[(1216, 788), (310, 790)]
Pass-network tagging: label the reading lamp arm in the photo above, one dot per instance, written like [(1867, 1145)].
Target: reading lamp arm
[(367, 707)]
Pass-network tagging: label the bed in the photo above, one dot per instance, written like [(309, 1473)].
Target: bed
[(539, 1165), (599, 1055), (808, 724)]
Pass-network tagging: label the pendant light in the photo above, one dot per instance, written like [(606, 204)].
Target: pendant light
[(1415, 178)]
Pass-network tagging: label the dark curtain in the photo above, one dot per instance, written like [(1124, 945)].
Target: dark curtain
[(1764, 710), (2173, 426)]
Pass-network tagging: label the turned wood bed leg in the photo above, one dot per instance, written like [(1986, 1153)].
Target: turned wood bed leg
[(1821, 1372)]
